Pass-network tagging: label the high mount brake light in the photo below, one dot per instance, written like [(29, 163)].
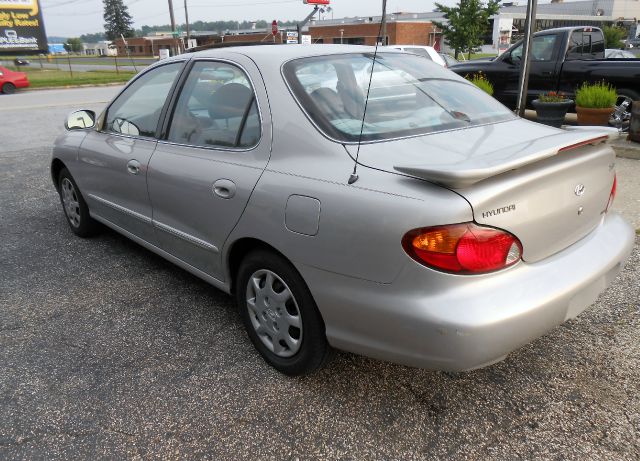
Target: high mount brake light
[(590, 142), (464, 248)]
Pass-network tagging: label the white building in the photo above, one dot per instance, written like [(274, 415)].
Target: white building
[(104, 48)]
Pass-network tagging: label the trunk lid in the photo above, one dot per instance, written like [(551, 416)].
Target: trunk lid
[(539, 183)]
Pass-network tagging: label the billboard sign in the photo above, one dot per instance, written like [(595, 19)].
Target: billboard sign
[(21, 27)]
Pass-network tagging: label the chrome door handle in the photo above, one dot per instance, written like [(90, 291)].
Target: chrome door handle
[(133, 167), (224, 188)]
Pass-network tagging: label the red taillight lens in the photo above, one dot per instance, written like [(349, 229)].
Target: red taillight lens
[(612, 195), (463, 248)]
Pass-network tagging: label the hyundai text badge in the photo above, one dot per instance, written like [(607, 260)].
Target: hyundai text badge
[(579, 190)]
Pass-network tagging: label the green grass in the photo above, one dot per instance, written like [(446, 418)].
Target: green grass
[(58, 78), (483, 55)]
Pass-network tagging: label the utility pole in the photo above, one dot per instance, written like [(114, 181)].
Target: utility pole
[(523, 83), (186, 18), (384, 23), (173, 19)]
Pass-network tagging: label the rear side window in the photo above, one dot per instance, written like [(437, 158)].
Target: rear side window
[(419, 51), (216, 108), (137, 110), (585, 44)]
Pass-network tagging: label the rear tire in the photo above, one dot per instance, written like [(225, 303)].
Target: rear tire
[(75, 208), (280, 315), (8, 88)]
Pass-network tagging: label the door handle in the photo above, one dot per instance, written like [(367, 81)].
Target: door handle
[(133, 167), (224, 188)]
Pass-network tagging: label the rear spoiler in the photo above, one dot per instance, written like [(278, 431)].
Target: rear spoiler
[(476, 169)]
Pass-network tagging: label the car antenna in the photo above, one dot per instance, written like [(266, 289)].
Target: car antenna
[(354, 176)]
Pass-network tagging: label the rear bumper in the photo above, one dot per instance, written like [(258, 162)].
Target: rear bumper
[(21, 83), (441, 321)]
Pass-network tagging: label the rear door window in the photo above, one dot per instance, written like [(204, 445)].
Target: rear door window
[(216, 108)]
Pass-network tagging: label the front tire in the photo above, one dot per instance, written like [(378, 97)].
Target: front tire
[(75, 208), (8, 88), (280, 315)]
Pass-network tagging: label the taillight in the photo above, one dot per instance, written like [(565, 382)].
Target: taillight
[(612, 195), (464, 248)]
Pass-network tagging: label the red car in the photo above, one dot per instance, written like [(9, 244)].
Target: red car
[(10, 80)]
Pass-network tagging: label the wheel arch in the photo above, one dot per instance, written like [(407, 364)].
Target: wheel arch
[(56, 167), (241, 248)]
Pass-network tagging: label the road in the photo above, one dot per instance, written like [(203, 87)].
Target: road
[(86, 64), (108, 351)]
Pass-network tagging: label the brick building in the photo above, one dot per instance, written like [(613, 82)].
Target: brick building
[(149, 46), (398, 33), (402, 29)]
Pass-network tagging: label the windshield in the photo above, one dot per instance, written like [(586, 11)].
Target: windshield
[(409, 96)]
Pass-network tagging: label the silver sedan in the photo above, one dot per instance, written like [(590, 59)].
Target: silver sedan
[(414, 220)]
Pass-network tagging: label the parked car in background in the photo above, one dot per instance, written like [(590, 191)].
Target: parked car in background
[(610, 53), (448, 59), (21, 62), (633, 43), (465, 233), (561, 60), (426, 51), (10, 80)]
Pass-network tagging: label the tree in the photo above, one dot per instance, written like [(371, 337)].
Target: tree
[(93, 38), (117, 19), (73, 45), (613, 37), (466, 23)]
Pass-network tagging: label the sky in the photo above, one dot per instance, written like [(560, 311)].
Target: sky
[(71, 18)]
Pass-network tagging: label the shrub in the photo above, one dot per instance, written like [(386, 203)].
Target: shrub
[(598, 95), (614, 36), (481, 82)]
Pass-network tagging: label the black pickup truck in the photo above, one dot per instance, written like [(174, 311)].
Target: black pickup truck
[(561, 60)]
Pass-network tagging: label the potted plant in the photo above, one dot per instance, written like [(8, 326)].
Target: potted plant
[(551, 107), (481, 82), (595, 103)]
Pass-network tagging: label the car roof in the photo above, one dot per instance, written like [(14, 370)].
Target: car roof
[(283, 53)]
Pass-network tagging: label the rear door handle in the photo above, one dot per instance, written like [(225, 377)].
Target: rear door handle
[(224, 188), (133, 167)]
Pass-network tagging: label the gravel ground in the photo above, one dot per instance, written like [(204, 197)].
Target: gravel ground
[(107, 351)]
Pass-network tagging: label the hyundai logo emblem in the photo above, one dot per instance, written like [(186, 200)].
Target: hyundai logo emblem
[(579, 190)]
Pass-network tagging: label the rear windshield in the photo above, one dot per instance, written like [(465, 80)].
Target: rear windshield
[(409, 96)]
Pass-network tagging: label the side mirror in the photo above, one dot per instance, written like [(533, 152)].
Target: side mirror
[(80, 120)]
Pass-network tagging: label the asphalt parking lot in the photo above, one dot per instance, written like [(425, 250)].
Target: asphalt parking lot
[(108, 352)]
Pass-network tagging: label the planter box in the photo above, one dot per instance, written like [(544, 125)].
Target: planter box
[(589, 116), (551, 113)]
